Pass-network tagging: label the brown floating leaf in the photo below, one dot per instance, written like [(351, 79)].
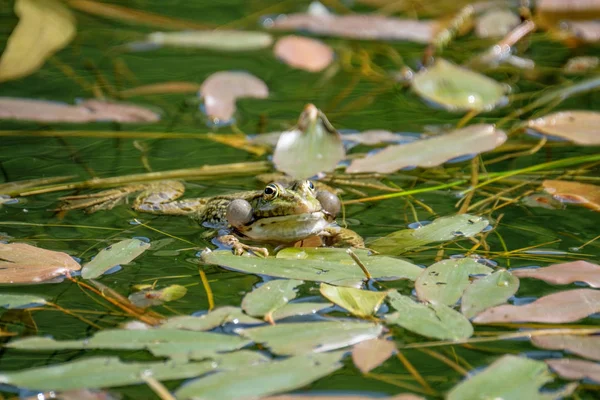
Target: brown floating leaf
[(87, 111), (21, 263), (432, 152), (570, 368), (303, 53), (574, 192), (562, 274), (566, 306), (221, 90), (44, 28), (579, 127), (372, 353), (356, 26), (584, 346), (161, 88)]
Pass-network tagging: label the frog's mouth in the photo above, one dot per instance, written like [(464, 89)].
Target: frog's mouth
[(285, 229)]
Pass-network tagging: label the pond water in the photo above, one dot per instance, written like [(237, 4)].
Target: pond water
[(354, 96)]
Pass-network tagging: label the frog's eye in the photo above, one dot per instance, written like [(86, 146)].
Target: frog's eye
[(311, 185), (271, 190)]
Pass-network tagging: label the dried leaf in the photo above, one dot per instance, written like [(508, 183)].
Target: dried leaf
[(570, 368), (372, 353), (588, 31), (44, 28), (361, 303), (161, 88), (574, 192), (221, 90), (584, 346), (580, 127), (561, 307), (122, 252), (562, 274), (21, 263), (432, 152), (303, 53)]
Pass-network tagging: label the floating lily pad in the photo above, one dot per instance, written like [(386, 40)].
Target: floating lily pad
[(487, 292), (221, 90), (562, 274), (584, 346), (211, 320), (308, 337), (561, 307), (372, 353), (431, 320), (574, 192), (301, 308), (312, 146), (262, 379), (340, 269), (221, 40), (458, 89), (442, 229), (152, 297), (570, 368), (100, 372), (303, 53), (445, 281), (431, 152), (10, 300), (361, 303), (580, 127), (122, 252), (22, 263), (509, 377), (266, 299), (44, 28)]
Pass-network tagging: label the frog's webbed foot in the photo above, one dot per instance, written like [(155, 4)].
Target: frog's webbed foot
[(240, 248), (104, 200), (337, 236)]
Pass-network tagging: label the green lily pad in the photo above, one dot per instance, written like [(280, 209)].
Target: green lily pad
[(307, 337), (215, 318), (270, 296), (119, 253), (508, 378), (100, 372), (262, 379), (440, 230), (431, 320), (445, 281), (303, 308), (336, 268), (10, 300), (458, 89), (362, 303), (487, 292)]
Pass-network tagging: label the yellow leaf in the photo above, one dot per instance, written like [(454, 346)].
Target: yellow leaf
[(45, 26)]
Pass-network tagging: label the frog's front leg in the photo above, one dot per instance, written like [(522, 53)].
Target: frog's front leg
[(337, 236), (239, 248)]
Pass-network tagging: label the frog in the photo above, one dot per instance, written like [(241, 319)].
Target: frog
[(281, 214)]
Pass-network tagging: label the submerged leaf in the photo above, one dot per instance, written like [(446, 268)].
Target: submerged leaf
[(262, 379), (561, 307), (122, 252), (361, 303), (16, 300), (510, 378), (222, 40), (221, 90), (22, 263), (445, 281), (100, 372), (304, 53), (372, 353), (580, 127), (574, 192), (442, 229), (431, 320), (151, 297), (458, 89), (215, 318), (44, 28), (432, 152), (336, 267), (584, 346), (266, 299), (312, 146), (562, 274), (309, 337), (570, 368), (487, 292)]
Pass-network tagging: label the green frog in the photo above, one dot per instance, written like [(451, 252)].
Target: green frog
[(280, 214)]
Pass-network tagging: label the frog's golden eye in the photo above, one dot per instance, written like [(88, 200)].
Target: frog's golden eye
[(271, 190)]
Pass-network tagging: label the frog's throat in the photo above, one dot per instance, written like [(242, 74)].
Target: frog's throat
[(285, 229)]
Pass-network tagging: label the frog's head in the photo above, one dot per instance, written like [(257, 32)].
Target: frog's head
[(278, 200)]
